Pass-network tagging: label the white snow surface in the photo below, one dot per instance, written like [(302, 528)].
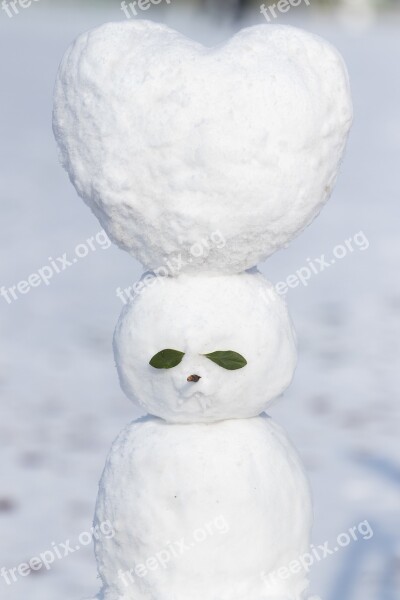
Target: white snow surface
[(234, 492), (169, 141), (61, 404), (199, 315)]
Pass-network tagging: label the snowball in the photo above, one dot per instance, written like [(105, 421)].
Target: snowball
[(170, 142), (203, 511), (198, 315)]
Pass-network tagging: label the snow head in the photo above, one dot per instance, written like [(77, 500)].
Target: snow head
[(205, 348), (168, 141)]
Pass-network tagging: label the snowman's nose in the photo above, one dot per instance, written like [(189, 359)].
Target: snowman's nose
[(193, 378)]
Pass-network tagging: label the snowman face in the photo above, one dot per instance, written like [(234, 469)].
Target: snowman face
[(205, 348)]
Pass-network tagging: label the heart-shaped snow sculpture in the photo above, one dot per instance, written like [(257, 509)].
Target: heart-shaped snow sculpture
[(218, 156)]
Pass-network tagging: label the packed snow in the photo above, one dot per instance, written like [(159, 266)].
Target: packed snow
[(167, 140), (200, 315), (163, 483)]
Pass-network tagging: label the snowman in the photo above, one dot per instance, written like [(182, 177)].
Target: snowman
[(168, 142)]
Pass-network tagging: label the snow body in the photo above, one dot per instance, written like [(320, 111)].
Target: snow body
[(170, 142), (210, 159), (202, 512), (199, 315)]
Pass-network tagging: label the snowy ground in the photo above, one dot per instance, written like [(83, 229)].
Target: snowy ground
[(61, 404)]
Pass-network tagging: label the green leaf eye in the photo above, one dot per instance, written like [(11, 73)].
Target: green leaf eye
[(227, 359), (166, 359)]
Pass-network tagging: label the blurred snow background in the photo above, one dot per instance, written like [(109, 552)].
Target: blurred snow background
[(61, 405)]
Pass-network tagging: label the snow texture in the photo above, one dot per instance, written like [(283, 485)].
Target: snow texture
[(170, 143), (219, 504), (167, 140), (198, 315)]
